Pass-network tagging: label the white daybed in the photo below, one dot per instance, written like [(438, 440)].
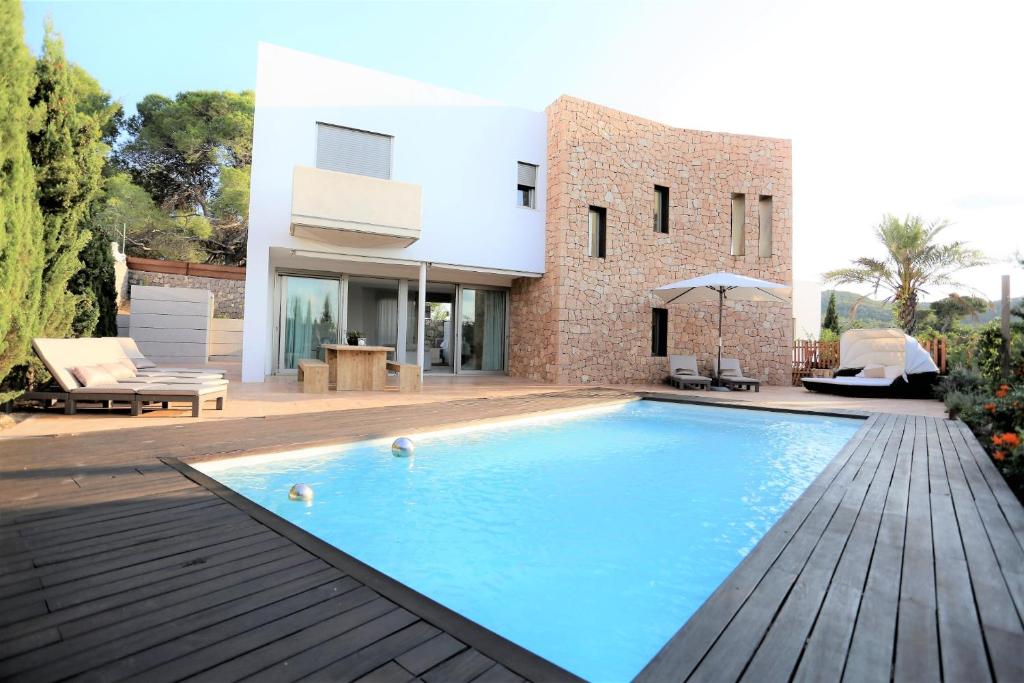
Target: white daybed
[(906, 370)]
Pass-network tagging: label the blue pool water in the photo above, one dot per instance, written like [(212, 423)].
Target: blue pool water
[(589, 539)]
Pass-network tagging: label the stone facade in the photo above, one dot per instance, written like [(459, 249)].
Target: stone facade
[(228, 295), (588, 320)]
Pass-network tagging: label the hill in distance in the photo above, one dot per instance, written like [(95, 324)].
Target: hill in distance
[(879, 314)]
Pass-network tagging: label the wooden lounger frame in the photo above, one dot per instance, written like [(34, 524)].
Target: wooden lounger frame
[(137, 403)]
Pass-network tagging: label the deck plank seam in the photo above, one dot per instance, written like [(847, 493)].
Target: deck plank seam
[(974, 589)]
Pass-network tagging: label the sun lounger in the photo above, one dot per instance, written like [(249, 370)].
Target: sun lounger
[(146, 366), (732, 375), (683, 373), (77, 367)]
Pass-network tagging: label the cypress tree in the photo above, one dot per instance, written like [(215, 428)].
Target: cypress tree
[(68, 157), (21, 226), (96, 314), (831, 320)]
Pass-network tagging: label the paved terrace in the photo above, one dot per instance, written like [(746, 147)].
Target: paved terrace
[(904, 558), (280, 395)]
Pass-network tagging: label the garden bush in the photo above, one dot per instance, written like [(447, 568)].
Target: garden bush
[(997, 420)]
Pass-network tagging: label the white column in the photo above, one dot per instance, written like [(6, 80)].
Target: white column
[(403, 320), (421, 312)]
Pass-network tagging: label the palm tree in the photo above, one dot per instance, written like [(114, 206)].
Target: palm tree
[(913, 263)]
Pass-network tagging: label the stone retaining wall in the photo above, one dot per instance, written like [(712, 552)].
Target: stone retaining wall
[(228, 295)]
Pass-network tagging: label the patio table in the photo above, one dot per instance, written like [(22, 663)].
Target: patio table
[(356, 368)]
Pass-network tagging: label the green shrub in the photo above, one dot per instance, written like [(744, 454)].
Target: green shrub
[(963, 381), (962, 405)]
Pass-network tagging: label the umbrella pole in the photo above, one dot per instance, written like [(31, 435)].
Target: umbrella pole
[(718, 366)]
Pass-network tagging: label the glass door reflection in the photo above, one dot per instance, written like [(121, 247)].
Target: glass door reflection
[(438, 330), (310, 314), (482, 329)]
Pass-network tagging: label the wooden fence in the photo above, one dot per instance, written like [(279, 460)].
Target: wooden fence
[(810, 357), (152, 265)]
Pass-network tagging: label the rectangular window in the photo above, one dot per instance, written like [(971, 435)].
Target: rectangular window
[(659, 332), (739, 224), (661, 209), (527, 187), (598, 230), (349, 150), (764, 232)]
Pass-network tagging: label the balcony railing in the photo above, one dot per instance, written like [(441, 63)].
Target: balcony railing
[(344, 209)]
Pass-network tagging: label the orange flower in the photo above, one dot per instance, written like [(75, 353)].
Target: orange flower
[(997, 440), (990, 407), (998, 456), (1010, 440), (1003, 391)]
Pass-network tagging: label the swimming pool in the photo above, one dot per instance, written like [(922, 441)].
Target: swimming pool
[(588, 539)]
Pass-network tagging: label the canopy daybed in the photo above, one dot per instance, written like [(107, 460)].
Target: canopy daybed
[(879, 364)]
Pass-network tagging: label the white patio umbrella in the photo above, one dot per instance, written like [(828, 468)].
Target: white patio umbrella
[(722, 286)]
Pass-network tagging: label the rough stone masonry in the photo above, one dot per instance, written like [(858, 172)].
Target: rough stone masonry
[(588, 319)]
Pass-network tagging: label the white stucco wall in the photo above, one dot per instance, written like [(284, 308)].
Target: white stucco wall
[(462, 150), (806, 309)]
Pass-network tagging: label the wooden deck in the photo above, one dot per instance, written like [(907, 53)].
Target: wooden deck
[(903, 559)]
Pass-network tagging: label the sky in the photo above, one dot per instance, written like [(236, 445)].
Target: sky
[(892, 107)]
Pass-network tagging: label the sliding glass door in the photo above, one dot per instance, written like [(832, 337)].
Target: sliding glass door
[(465, 326), (309, 317), (482, 329)]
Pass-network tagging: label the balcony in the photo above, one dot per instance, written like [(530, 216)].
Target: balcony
[(352, 210)]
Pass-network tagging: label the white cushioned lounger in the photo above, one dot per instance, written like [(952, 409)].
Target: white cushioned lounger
[(61, 355), (131, 350)]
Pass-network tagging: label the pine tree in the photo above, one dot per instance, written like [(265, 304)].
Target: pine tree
[(21, 226), (831, 320), (68, 156)]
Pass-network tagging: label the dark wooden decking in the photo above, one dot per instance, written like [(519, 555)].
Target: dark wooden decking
[(903, 559)]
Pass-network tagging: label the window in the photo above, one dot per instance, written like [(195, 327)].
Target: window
[(527, 187), (659, 332), (661, 209), (353, 151), (764, 232), (739, 210), (598, 229)]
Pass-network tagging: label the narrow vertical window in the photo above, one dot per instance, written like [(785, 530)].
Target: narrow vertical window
[(598, 229), (659, 332), (764, 231), (661, 209), (739, 211), (527, 187)]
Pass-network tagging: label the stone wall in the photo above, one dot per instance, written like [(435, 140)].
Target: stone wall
[(228, 295), (588, 320)]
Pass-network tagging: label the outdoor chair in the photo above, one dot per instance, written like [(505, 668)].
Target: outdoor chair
[(732, 376), (683, 373)]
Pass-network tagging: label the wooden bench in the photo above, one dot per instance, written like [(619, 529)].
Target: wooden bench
[(313, 376), (408, 375)]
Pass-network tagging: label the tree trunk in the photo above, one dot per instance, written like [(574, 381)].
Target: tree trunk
[(906, 311)]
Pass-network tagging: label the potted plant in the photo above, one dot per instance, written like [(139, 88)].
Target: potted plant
[(352, 337)]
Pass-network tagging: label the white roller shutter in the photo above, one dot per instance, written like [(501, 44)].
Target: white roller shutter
[(353, 151), (527, 175)]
